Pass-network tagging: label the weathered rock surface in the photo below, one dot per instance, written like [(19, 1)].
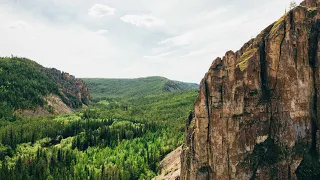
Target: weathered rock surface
[(53, 101), (170, 166), (75, 92), (257, 113)]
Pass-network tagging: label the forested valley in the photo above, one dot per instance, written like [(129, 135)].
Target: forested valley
[(112, 138)]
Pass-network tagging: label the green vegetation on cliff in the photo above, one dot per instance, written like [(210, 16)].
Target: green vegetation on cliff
[(24, 84)]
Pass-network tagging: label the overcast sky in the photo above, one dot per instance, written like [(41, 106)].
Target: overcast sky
[(132, 38)]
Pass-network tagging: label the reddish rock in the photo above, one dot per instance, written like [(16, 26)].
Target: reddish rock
[(73, 91), (257, 113)]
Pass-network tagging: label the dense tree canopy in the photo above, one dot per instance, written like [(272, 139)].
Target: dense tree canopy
[(23, 83), (114, 139), (140, 87)]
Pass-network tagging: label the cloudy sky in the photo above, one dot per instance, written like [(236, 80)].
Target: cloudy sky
[(127, 39)]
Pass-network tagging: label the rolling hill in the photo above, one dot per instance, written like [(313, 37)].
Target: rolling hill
[(128, 88)]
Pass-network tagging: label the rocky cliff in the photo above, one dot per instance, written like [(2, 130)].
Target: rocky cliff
[(257, 113), (74, 91)]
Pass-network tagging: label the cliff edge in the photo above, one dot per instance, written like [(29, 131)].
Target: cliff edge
[(257, 113)]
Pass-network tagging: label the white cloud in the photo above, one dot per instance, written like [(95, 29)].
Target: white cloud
[(214, 13), (183, 39), (102, 32), (19, 25), (162, 55), (188, 35), (198, 52), (101, 10), (207, 38), (143, 20)]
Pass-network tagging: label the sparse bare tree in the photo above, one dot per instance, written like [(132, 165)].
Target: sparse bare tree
[(292, 5)]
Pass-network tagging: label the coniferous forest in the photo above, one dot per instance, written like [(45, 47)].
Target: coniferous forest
[(122, 138)]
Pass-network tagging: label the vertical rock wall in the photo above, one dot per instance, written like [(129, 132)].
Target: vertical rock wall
[(257, 113)]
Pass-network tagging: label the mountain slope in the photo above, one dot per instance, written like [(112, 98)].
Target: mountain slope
[(257, 113), (26, 85), (128, 88)]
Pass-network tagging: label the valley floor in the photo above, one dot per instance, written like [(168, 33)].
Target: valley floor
[(112, 139)]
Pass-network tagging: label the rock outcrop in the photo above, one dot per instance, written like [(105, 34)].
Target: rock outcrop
[(73, 91), (258, 109), (170, 166)]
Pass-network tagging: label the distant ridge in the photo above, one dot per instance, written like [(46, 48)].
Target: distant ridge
[(128, 88)]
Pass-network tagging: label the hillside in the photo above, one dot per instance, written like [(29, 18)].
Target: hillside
[(128, 88), (257, 112), (26, 86)]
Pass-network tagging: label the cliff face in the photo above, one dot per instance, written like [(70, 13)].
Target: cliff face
[(257, 113), (74, 92)]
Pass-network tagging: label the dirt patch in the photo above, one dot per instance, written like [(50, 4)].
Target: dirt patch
[(54, 106), (58, 106)]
